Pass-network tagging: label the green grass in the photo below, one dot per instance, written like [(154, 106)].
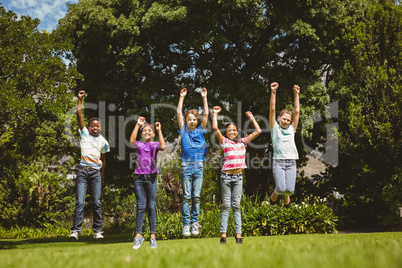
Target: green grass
[(316, 250)]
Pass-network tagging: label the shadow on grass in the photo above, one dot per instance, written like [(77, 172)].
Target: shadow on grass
[(109, 239)]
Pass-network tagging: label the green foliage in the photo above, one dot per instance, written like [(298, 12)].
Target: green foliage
[(47, 231), (138, 53), (368, 86), (35, 98), (257, 219)]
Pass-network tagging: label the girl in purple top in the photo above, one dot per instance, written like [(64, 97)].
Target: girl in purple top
[(145, 176)]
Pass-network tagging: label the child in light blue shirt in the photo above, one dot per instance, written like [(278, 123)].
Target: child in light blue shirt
[(285, 151)]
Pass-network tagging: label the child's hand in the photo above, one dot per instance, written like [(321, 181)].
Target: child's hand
[(81, 94), (141, 121), (296, 89), (157, 126), (204, 92), (274, 87), (183, 92), (249, 114), (217, 109)]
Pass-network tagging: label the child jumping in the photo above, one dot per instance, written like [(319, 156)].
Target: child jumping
[(145, 176), (283, 142), (90, 171), (234, 151), (193, 155)]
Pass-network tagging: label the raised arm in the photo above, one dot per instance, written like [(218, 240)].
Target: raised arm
[(81, 95), (180, 118), (206, 110), (257, 130), (272, 103), (133, 137), (296, 114), (162, 143), (218, 133)]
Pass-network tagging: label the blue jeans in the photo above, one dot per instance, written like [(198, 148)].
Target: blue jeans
[(191, 183), (232, 190), (145, 186), (284, 175), (93, 178)]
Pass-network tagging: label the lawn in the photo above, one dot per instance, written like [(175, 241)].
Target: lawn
[(316, 250)]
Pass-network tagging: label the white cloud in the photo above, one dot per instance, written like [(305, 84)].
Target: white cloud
[(47, 11)]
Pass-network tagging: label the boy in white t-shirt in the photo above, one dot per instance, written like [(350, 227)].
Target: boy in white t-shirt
[(92, 165)]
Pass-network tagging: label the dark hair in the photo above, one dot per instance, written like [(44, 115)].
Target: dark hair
[(147, 125), (93, 119), (242, 134), (231, 123)]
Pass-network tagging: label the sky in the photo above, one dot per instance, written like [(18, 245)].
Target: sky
[(47, 11)]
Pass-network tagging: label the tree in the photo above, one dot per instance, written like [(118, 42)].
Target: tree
[(138, 53), (369, 89), (35, 95)]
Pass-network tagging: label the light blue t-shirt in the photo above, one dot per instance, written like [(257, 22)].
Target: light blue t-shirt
[(91, 149), (283, 141), (193, 145)]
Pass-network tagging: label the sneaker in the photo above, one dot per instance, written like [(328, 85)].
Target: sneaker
[(223, 240), (137, 242), (74, 234), (195, 228), (152, 243), (98, 235), (186, 230)]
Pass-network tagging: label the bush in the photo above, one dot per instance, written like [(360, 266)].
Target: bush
[(257, 219), (49, 230)]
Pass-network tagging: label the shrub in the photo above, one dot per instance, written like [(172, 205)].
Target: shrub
[(257, 219)]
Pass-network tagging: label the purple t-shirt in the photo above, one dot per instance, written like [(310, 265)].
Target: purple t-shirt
[(146, 157)]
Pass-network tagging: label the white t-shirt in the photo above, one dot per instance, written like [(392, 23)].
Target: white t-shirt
[(91, 149)]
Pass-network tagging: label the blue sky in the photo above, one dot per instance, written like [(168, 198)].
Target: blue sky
[(48, 11)]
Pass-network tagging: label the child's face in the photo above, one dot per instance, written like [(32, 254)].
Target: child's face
[(284, 120), (94, 128), (191, 121), (147, 134), (231, 132)]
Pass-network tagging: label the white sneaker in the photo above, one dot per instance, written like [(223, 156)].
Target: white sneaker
[(137, 242), (195, 228), (74, 234), (98, 235), (152, 243), (186, 230)]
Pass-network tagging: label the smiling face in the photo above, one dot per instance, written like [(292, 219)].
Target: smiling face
[(147, 133), (191, 121), (232, 132), (284, 120), (94, 127)]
